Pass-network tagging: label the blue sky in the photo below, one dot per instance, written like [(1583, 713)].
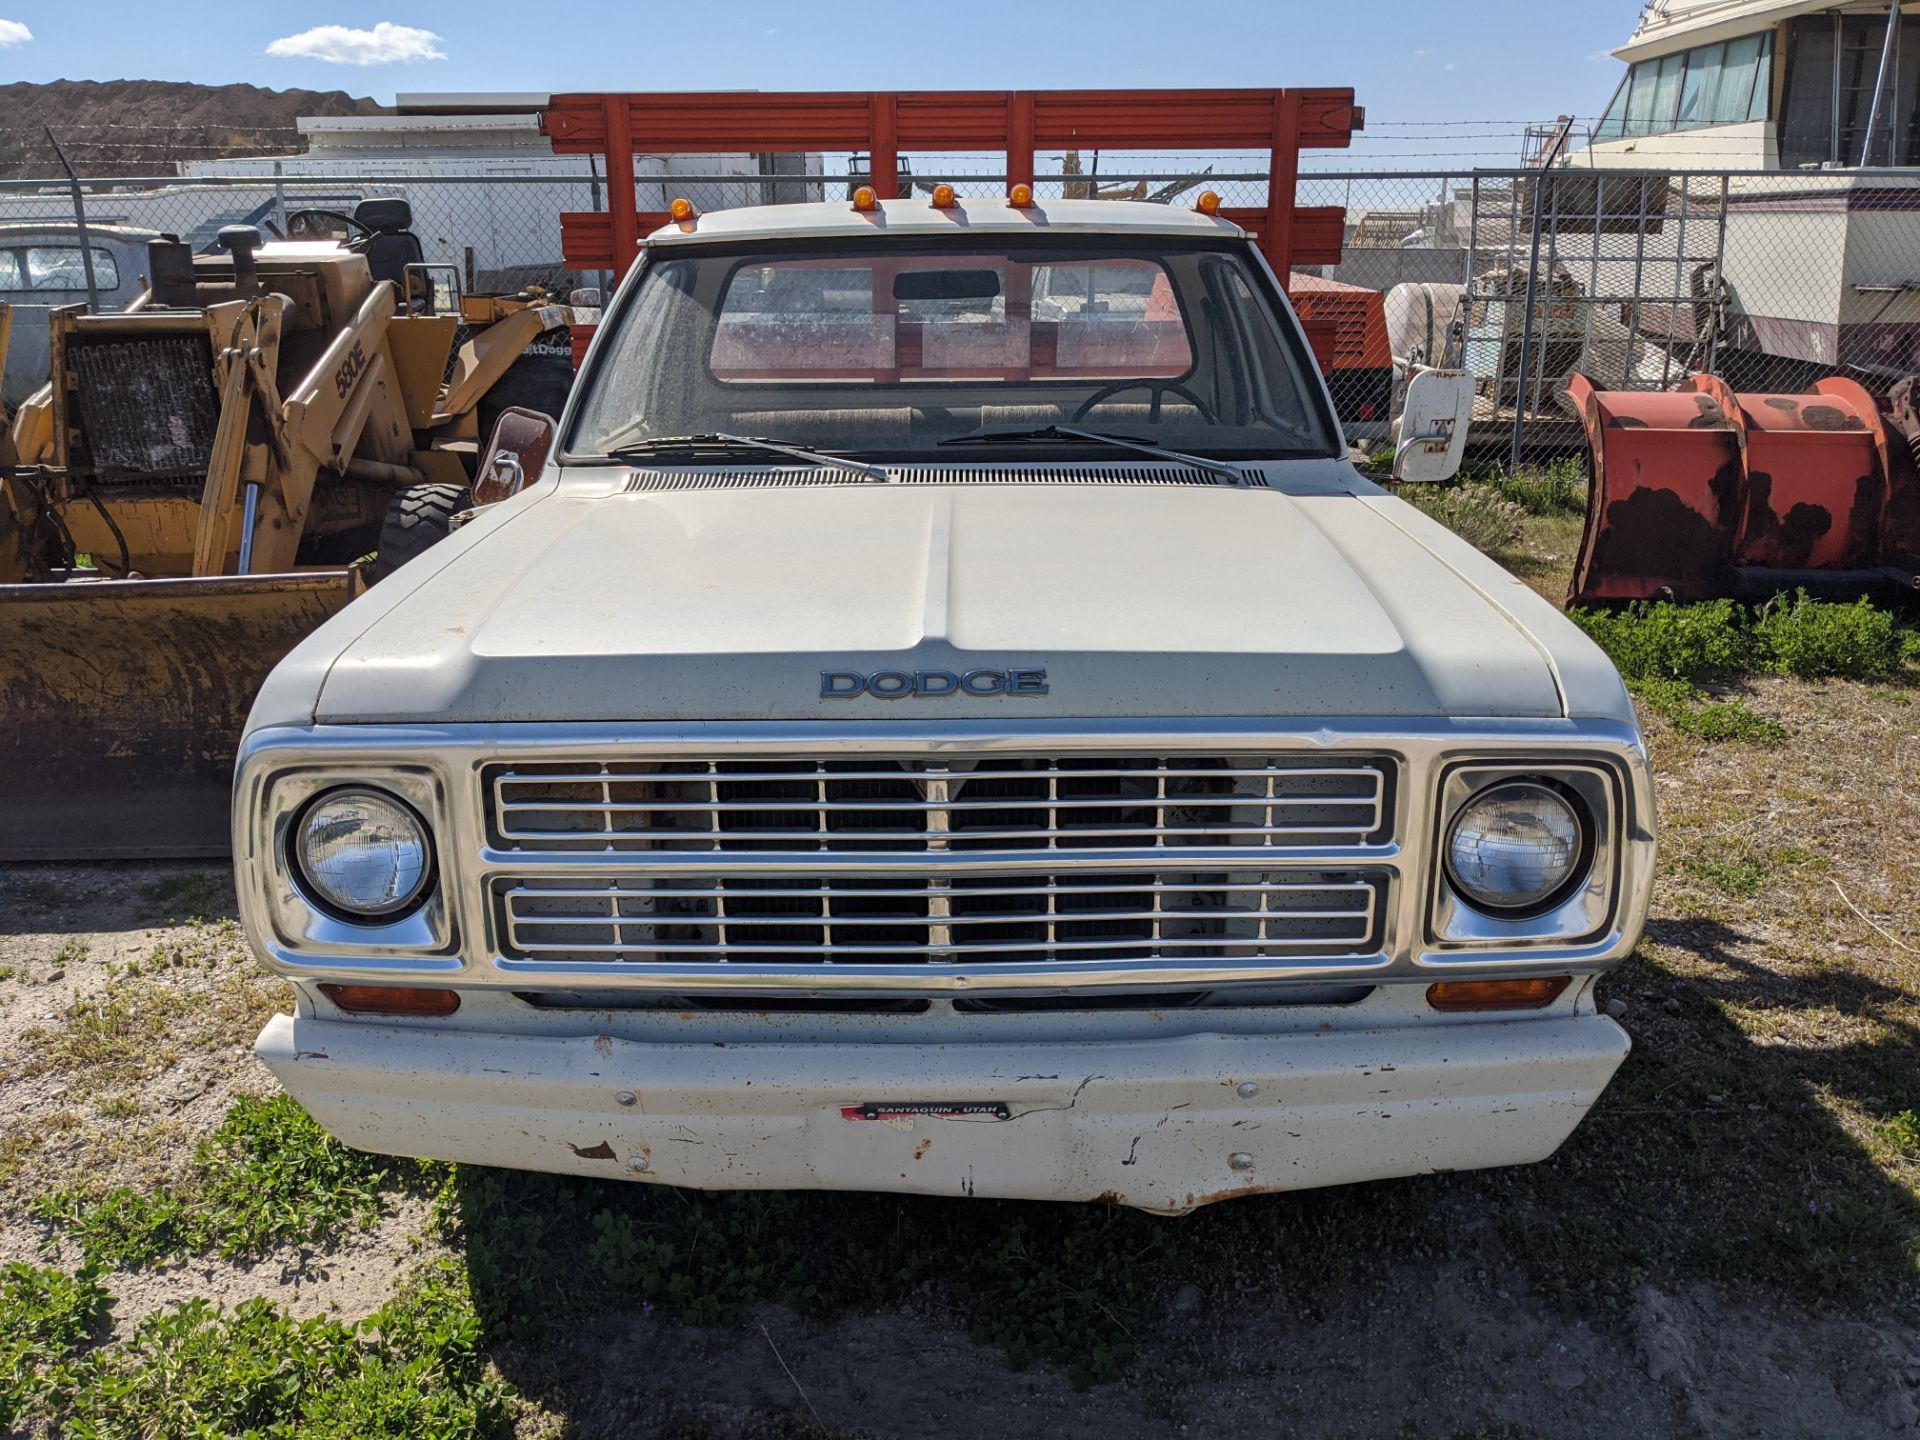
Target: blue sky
[(1425, 61)]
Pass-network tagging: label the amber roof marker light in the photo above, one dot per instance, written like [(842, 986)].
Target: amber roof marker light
[(1020, 197), (865, 201), (682, 211), (943, 197), (1208, 203)]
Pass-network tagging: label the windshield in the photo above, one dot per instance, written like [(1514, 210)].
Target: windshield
[(890, 348)]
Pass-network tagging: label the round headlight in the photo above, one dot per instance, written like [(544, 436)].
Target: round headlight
[(1515, 846), (364, 853)]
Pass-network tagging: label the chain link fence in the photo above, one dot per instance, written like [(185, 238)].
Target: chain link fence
[(1637, 278), (1523, 277)]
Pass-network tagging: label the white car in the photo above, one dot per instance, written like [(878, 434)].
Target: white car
[(42, 267), (912, 739)]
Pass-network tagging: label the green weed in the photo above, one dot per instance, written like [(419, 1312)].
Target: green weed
[(1691, 712), (1694, 644), (1735, 876), (1901, 1133), (268, 1174), (1812, 640), (45, 1315), (414, 1369), (1719, 640), (1556, 488)]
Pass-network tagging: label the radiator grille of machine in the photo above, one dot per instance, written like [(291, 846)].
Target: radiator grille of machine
[(147, 407)]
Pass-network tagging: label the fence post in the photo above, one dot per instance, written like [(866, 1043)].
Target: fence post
[(1473, 243), (1526, 326), (1716, 314), (603, 278)]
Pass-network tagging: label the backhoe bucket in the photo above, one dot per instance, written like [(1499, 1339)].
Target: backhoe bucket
[(1699, 493), (122, 702)]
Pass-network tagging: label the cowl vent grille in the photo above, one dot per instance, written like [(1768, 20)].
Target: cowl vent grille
[(758, 477)]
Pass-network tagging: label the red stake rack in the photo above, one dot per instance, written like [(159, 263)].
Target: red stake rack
[(884, 122)]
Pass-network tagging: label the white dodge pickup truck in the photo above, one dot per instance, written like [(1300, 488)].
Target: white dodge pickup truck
[(948, 718)]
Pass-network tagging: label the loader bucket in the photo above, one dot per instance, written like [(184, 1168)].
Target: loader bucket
[(1699, 493), (122, 702)]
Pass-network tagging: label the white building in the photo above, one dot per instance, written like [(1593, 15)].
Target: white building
[(486, 188)]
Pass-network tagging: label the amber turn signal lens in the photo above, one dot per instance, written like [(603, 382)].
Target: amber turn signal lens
[(1208, 203), (391, 999), (1497, 994), (681, 210), (943, 197), (865, 200), (1020, 196)]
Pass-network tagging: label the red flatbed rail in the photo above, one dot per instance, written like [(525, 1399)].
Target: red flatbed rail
[(883, 123)]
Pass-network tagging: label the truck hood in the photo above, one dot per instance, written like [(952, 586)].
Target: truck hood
[(1135, 600)]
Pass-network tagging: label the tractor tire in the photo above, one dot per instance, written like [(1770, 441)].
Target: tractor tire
[(419, 517)]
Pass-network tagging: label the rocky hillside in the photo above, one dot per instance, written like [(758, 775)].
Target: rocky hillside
[(145, 127)]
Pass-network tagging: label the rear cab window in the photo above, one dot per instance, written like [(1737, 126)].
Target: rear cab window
[(893, 347), (36, 270), (933, 318)]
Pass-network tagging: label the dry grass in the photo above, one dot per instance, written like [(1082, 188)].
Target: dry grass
[(1545, 553), (110, 1069), (191, 993)]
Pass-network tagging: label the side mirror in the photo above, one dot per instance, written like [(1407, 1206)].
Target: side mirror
[(515, 456), (1433, 426)]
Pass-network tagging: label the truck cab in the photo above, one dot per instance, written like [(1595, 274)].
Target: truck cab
[(948, 718)]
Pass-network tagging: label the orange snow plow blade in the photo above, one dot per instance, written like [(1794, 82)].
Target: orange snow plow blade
[(122, 702), (1699, 493)]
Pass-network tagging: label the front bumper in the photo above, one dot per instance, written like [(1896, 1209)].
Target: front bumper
[(1163, 1124)]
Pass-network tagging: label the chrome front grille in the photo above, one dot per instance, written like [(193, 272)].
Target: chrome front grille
[(947, 803), (1007, 918)]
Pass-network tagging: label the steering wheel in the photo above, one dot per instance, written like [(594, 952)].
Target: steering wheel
[(355, 229), (1157, 388)]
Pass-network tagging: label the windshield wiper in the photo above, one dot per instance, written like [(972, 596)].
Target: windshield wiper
[(1059, 433), (656, 447)]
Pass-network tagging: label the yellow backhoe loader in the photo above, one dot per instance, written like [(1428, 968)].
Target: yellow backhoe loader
[(187, 497)]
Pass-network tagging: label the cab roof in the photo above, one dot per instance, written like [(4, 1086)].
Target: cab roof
[(837, 219)]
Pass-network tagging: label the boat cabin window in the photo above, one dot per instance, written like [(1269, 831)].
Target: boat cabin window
[(1727, 83), (1833, 64)]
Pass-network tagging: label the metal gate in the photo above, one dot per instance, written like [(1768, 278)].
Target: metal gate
[(1613, 274)]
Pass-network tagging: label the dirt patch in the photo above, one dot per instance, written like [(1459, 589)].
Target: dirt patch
[(1740, 1372), (1436, 1353)]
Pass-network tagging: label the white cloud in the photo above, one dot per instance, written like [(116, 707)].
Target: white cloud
[(12, 32), (384, 44)]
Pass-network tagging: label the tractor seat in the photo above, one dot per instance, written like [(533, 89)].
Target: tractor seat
[(392, 245)]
